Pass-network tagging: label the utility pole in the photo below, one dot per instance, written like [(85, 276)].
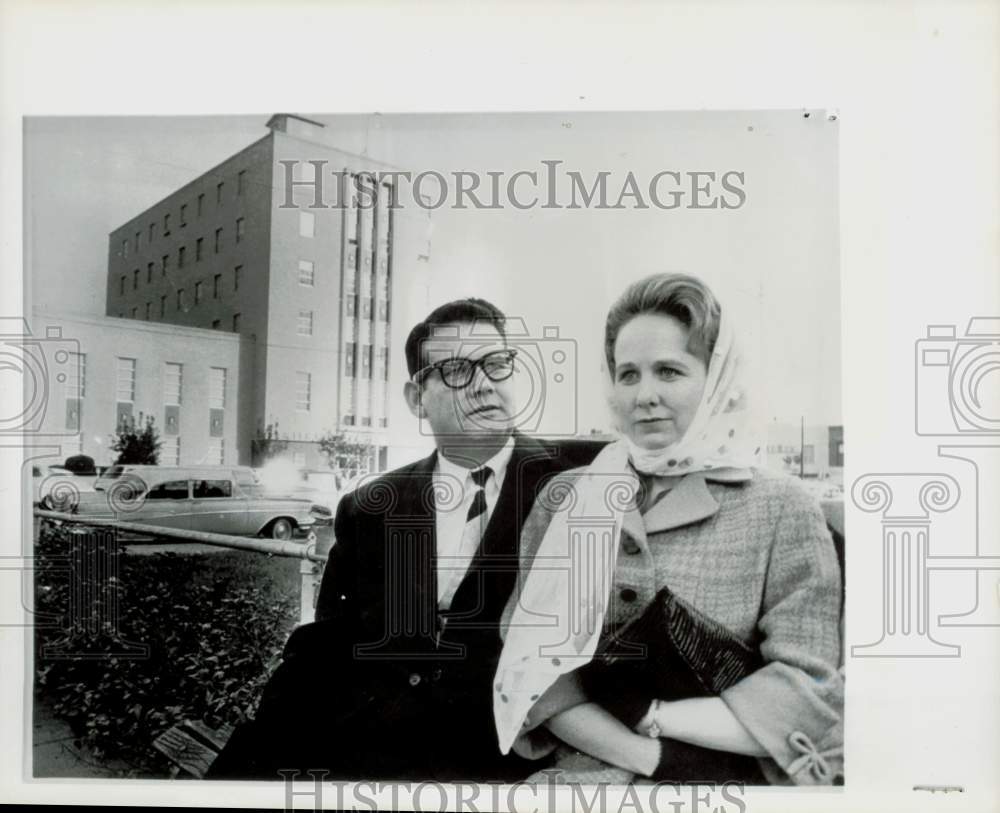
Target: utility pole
[(802, 447)]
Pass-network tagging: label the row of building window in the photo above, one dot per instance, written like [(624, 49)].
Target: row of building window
[(170, 451), (367, 357), (173, 380), (365, 420), (199, 252), (200, 203)]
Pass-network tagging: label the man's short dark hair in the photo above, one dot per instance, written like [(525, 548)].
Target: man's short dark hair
[(470, 310)]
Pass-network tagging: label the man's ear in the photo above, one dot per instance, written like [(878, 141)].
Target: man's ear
[(411, 392)]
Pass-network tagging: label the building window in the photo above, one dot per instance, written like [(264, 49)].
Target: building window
[(303, 391), (348, 420), (137, 234), (305, 326), (165, 264), (216, 387), (218, 192), (383, 310), (149, 273), (135, 280), (306, 272), (349, 359), (352, 257), (241, 179), (236, 323), (76, 376), (350, 284), (382, 371), (125, 382), (163, 306), (121, 288), (383, 422), (166, 225), (240, 228), (149, 310), (366, 308), (170, 450), (152, 232), (201, 203), (366, 361), (352, 305), (216, 285), (125, 248), (180, 299), (218, 240), (197, 292), (236, 277), (366, 420), (184, 209), (307, 224), (135, 312), (216, 324), (216, 456), (181, 256), (199, 249), (173, 378)]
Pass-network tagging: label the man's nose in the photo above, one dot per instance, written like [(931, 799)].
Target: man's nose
[(480, 382)]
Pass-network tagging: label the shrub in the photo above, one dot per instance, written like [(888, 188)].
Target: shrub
[(214, 624), (137, 441)]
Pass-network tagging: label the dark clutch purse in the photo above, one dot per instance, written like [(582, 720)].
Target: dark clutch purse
[(671, 652)]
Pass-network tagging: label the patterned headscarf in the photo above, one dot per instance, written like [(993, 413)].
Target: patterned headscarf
[(557, 622)]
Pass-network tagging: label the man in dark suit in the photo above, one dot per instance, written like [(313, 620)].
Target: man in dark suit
[(393, 679)]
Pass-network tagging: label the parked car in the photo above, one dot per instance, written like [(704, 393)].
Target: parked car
[(215, 499), (62, 484)]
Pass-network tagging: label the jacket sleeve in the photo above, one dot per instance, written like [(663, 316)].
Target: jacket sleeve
[(338, 600), (793, 705)]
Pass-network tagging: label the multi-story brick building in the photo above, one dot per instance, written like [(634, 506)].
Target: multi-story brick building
[(309, 289)]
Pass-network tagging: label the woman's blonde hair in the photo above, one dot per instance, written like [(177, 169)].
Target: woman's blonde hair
[(681, 296)]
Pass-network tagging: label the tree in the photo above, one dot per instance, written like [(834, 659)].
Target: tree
[(137, 441), (268, 444), (348, 455)]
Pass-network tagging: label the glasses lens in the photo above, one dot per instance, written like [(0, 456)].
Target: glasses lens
[(498, 366), (456, 372)]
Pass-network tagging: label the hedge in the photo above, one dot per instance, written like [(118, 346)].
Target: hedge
[(214, 623)]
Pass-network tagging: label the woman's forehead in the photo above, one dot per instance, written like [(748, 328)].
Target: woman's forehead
[(652, 335)]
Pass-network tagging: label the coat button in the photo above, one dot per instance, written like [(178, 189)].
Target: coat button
[(628, 594), (630, 546), (414, 679)]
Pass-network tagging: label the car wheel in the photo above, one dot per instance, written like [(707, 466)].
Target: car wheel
[(282, 528)]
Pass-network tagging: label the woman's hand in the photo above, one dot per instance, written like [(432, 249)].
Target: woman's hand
[(704, 721)]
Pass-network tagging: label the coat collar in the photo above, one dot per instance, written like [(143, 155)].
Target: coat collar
[(687, 502)]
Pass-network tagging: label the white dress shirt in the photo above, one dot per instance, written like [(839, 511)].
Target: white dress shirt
[(454, 492)]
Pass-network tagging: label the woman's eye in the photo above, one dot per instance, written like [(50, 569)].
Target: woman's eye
[(628, 376), (669, 372)]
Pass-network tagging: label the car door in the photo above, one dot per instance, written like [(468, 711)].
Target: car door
[(217, 507), (167, 504)]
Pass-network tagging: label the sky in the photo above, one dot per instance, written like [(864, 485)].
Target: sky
[(773, 261)]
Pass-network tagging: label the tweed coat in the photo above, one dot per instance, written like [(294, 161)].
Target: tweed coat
[(750, 549)]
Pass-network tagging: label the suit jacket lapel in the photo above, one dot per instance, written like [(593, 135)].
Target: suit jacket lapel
[(498, 551)]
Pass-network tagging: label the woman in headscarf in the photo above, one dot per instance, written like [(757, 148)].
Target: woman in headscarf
[(677, 615)]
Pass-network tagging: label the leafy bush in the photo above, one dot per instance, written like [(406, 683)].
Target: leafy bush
[(214, 624), (137, 441)]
